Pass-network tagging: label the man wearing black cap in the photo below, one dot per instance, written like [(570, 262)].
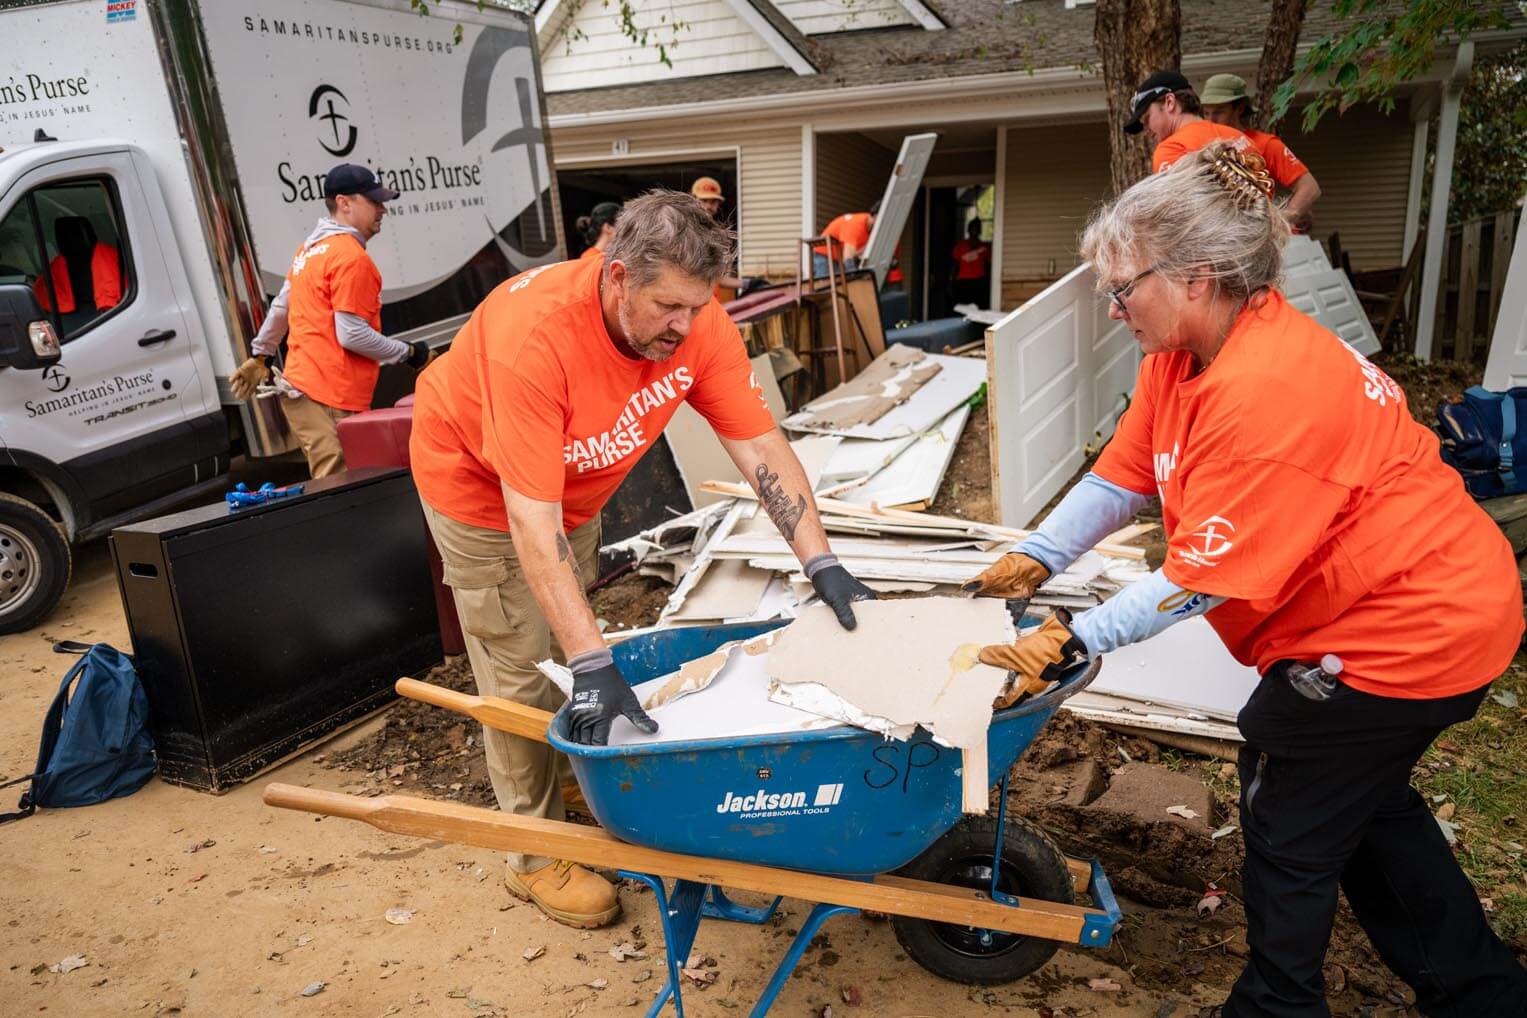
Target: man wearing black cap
[(330, 309), (1166, 108)]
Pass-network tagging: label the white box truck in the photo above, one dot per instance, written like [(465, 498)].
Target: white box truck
[(162, 160)]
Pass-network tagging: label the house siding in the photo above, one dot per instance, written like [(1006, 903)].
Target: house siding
[(594, 53), (769, 166)]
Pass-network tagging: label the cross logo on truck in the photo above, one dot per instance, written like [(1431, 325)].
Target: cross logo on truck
[(344, 143)]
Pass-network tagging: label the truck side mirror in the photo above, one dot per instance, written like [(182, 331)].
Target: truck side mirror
[(27, 339)]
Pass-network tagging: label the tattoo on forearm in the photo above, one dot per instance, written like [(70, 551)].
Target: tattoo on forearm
[(565, 550), (776, 502)]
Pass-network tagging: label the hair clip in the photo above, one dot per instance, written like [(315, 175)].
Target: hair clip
[(1244, 174)]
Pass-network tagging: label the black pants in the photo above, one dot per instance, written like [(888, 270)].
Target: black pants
[(1326, 802)]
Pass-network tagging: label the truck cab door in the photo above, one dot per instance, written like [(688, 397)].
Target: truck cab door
[(123, 415)]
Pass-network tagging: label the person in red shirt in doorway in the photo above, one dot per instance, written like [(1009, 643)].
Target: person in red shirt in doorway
[(1167, 109), (560, 381), (330, 310), (1226, 102), (1290, 475), (971, 277)]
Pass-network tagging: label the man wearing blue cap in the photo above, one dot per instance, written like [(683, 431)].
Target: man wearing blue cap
[(330, 310)]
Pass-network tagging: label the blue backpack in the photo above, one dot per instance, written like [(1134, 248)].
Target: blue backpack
[(1482, 439), (95, 744)]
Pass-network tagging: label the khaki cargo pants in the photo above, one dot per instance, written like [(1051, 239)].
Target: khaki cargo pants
[(506, 634), (316, 428)]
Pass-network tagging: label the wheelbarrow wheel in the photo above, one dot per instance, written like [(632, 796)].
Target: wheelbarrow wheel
[(1032, 866)]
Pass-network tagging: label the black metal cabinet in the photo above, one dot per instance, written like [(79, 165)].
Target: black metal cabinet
[(259, 631)]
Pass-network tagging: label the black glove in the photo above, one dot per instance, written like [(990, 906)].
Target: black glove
[(419, 354), (600, 694), (837, 587)]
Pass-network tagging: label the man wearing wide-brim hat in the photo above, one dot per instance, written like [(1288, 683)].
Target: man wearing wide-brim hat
[(1225, 101)]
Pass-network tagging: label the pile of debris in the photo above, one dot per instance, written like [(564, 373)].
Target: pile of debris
[(875, 450)]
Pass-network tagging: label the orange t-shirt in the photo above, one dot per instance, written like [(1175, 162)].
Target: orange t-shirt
[(533, 393), (332, 274), (851, 228), (1284, 166), (972, 261), (1294, 481), (1190, 138)]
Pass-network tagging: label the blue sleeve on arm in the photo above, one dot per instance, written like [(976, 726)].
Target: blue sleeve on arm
[(1091, 511), (1138, 612)]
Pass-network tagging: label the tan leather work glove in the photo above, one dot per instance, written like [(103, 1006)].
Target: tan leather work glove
[(1012, 575), (247, 377), (1035, 660)]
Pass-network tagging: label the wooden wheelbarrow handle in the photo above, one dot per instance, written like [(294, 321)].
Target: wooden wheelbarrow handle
[(494, 712)]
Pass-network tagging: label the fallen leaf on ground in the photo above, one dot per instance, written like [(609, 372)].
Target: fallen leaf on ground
[(399, 916), (1209, 904), (1103, 985), (1446, 810), (625, 949), (1335, 977), (532, 953), (598, 984), (1506, 698), (69, 964), (1183, 811), (313, 989), (304, 940), (1449, 831), (852, 997), (642, 976), (1488, 904), (1225, 831)]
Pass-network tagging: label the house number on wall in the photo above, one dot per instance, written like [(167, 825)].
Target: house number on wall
[(620, 147)]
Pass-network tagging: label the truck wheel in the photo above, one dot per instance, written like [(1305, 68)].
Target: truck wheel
[(34, 564), (1032, 866)]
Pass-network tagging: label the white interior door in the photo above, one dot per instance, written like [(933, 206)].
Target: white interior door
[(896, 203), (1507, 365), (1327, 296)]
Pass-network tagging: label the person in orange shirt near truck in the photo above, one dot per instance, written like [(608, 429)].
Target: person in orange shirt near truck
[(330, 309), (1225, 102), (1290, 475), (1167, 109), (561, 380)]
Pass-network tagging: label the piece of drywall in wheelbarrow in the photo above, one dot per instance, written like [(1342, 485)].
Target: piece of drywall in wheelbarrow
[(1327, 296), (1507, 364), (1059, 373), (909, 662)]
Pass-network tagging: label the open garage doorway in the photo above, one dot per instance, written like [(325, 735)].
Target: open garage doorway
[(582, 187)]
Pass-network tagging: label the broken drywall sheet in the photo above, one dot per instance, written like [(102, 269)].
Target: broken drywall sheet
[(911, 661), (730, 589), (890, 380), (1185, 667), (913, 478), (959, 379), (734, 703), (856, 460)]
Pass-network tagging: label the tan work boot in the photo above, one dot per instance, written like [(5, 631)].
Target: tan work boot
[(567, 892)]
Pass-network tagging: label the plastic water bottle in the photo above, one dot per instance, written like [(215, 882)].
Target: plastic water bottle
[(1318, 681)]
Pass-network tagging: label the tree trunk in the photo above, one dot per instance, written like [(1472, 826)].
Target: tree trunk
[(1135, 39), (1278, 53)]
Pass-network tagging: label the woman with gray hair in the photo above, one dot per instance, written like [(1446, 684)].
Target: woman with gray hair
[(1291, 478)]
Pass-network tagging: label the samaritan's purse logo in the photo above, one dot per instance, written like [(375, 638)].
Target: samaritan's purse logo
[(337, 120), (1208, 542)]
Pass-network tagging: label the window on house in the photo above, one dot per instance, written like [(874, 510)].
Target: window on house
[(66, 241)]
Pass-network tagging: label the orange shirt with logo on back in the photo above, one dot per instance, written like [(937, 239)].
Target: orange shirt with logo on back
[(1190, 138), (534, 394), (1284, 166), (851, 228), (334, 273), (1294, 481)]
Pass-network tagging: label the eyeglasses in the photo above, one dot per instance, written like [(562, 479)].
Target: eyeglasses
[(1117, 294)]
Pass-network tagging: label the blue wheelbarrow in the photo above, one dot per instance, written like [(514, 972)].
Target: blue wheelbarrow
[(840, 817)]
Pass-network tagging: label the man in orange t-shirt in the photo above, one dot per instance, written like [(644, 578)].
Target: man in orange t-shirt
[(1166, 108), (847, 237), (330, 309), (560, 381), (1225, 102)]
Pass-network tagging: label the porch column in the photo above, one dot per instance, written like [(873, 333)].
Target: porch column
[(1421, 116), (808, 195), (999, 213), (1442, 183)]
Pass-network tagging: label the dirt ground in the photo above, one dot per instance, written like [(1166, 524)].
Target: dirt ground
[(184, 903)]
